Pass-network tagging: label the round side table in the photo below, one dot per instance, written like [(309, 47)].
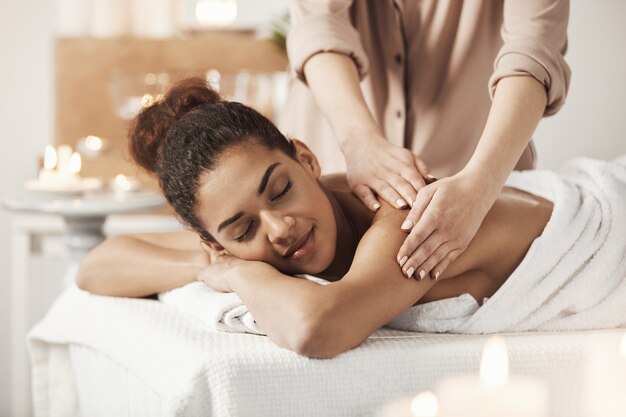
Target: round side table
[(84, 216)]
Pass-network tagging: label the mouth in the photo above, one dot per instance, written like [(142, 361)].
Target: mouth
[(302, 247)]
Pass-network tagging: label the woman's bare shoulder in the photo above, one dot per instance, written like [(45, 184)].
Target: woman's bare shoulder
[(336, 182)]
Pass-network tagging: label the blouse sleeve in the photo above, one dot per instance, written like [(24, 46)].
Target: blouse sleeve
[(535, 41), (323, 26)]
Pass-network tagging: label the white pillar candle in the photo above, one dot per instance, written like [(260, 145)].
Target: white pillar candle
[(494, 393), (606, 377)]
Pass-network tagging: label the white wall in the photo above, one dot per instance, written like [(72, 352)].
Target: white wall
[(593, 121), (26, 125)]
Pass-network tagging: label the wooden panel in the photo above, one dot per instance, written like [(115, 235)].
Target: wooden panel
[(83, 66)]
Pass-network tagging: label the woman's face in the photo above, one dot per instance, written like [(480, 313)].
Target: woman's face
[(261, 205)]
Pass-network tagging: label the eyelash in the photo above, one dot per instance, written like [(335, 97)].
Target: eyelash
[(244, 236)]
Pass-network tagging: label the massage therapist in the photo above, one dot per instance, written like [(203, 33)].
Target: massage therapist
[(408, 88)]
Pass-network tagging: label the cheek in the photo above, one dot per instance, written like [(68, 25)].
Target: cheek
[(251, 251)]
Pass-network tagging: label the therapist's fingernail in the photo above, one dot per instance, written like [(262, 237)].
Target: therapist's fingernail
[(403, 260), (400, 203), (407, 225), (409, 272), (376, 206), (422, 274), (437, 275)]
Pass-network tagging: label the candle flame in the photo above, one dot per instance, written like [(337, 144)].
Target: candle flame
[(122, 183), (216, 12), (425, 404), (75, 163), (93, 143), (49, 158), (622, 347), (494, 366)]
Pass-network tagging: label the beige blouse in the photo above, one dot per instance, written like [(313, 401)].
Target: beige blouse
[(428, 68)]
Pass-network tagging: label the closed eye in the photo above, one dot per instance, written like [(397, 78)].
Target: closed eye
[(283, 192), (245, 234)]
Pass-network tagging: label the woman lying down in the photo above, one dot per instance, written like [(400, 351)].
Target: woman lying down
[(550, 255)]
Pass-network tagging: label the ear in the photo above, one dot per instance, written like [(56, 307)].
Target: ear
[(212, 247), (307, 158)]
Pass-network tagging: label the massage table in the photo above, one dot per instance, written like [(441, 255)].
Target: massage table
[(102, 356)]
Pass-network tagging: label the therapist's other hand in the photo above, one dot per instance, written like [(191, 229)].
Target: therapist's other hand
[(377, 167), (443, 220)]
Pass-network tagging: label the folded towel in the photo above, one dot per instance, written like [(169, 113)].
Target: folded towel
[(220, 311)]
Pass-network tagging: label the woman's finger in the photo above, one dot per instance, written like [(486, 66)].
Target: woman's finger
[(365, 194), (424, 250), (438, 270), (387, 193)]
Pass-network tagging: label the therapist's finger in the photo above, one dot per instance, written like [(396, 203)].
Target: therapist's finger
[(414, 265), (414, 177), (418, 208), (421, 166), (404, 188), (427, 267), (438, 271), (365, 194), (389, 194)]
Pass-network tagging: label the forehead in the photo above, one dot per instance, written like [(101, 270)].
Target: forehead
[(233, 184)]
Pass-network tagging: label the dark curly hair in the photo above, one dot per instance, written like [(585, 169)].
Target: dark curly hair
[(181, 136)]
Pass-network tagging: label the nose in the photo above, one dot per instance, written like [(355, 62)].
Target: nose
[(278, 226)]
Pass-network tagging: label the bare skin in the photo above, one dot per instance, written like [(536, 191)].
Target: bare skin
[(369, 288)]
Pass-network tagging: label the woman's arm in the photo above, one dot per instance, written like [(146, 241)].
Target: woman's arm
[(325, 320), (142, 264)]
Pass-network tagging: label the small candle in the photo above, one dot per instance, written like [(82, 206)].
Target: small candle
[(494, 393), (122, 185), (423, 404), (606, 377), (60, 168)]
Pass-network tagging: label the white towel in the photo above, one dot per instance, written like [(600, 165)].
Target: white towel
[(220, 311), (574, 275)]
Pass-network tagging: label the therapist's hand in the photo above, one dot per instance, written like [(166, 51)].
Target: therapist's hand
[(376, 167), (443, 220)]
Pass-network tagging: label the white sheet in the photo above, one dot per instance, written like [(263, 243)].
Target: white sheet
[(195, 371)]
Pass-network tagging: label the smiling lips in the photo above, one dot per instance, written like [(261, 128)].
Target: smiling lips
[(303, 247)]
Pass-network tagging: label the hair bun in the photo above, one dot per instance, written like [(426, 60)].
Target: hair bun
[(148, 130)]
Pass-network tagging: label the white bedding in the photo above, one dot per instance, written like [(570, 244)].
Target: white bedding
[(195, 371)]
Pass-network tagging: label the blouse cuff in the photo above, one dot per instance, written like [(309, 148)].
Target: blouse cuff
[(531, 57), (324, 33)]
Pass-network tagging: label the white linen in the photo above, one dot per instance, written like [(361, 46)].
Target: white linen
[(219, 311), (574, 275), (195, 371)]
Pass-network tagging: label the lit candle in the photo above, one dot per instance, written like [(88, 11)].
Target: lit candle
[(606, 377), (122, 185), (494, 393), (423, 404)]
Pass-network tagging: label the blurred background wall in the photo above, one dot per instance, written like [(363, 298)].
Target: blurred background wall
[(592, 122)]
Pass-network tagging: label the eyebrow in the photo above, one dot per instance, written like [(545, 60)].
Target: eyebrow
[(266, 177), (262, 187)]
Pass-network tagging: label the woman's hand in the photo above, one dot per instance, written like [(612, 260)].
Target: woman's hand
[(223, 268), (377, 167), (443, 220)]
